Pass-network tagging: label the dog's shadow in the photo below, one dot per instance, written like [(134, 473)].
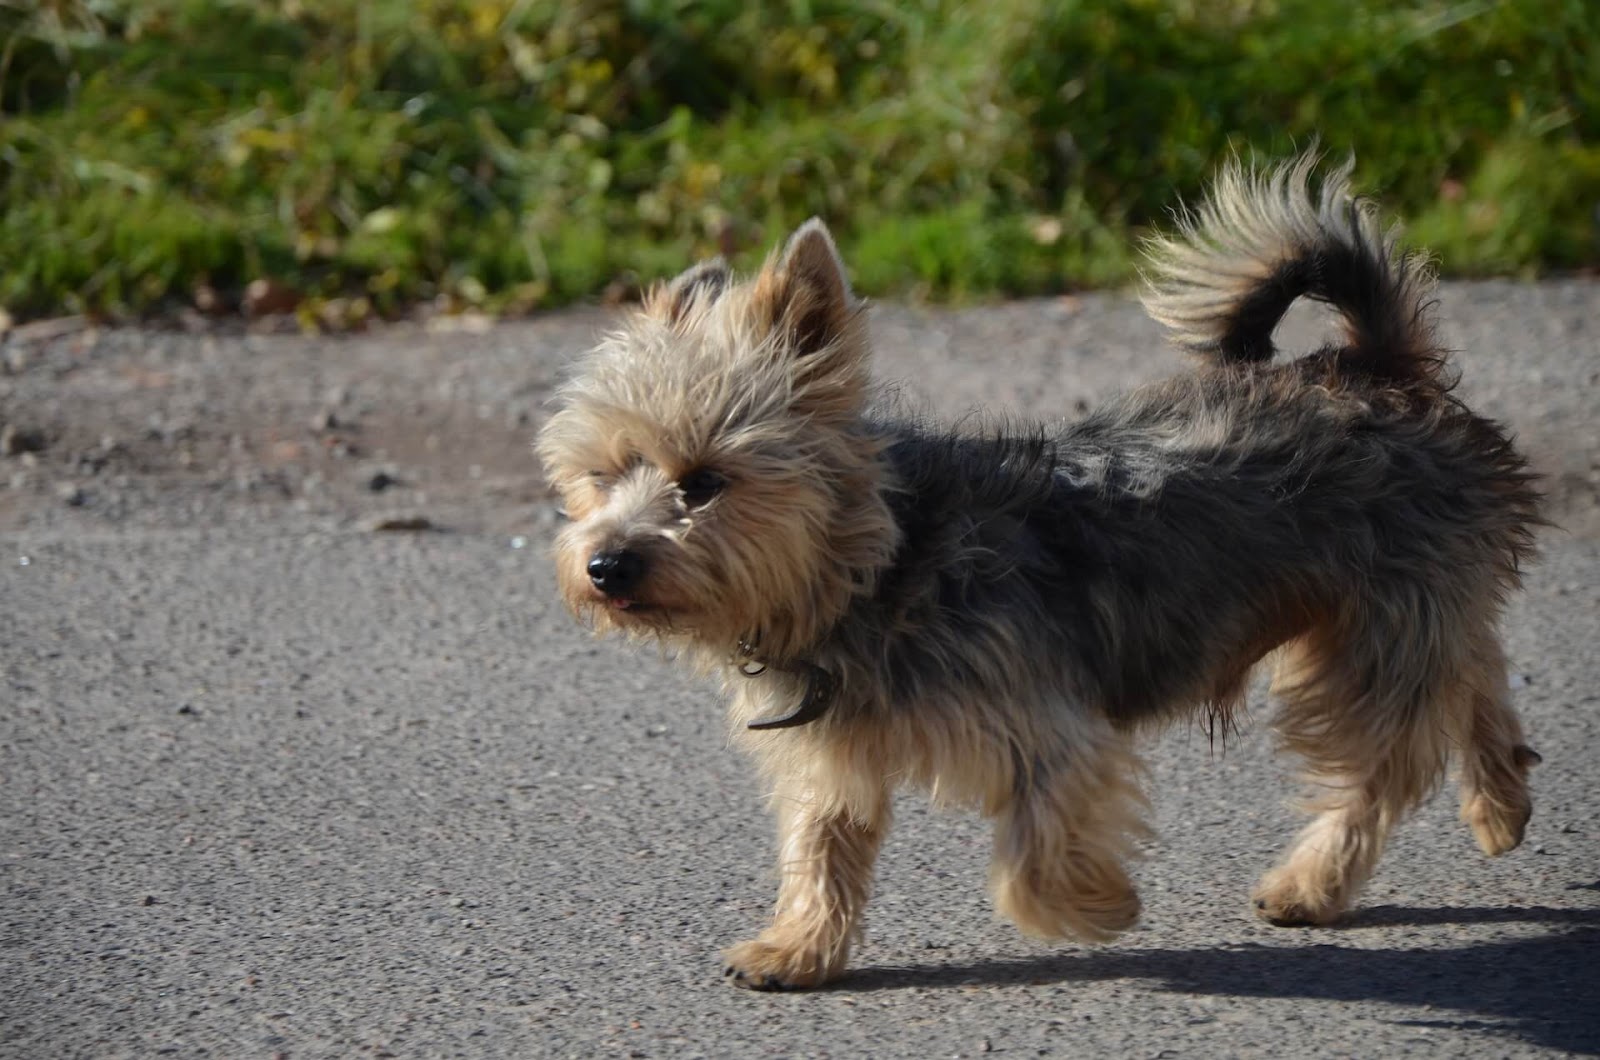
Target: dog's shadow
[(1543, 990)]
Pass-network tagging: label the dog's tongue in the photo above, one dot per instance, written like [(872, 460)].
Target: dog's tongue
[(621, 603)]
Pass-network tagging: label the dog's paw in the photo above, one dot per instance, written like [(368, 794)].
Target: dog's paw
[(1064, 913), (1498, 828), (761, 965), (1283, 900)]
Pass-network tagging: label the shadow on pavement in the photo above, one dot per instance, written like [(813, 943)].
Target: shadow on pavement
[(1544, 990)]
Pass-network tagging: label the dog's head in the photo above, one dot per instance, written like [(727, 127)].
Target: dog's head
[(711, 455)]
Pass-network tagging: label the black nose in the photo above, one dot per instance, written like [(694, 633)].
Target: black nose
[(616, 572)]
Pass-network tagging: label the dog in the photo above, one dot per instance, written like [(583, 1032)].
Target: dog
[(996, 614)]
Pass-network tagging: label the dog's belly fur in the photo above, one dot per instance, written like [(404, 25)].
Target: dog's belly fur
[(1146, 557)]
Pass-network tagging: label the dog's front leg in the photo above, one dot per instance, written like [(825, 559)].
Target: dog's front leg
[(826, 856), (1063, 836)]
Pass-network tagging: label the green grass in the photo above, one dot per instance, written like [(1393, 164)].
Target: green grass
[(525, 153)]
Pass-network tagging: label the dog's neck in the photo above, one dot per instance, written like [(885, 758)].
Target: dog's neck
[(860, 548), (816, 697)]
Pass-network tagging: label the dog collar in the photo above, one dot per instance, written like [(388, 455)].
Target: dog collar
[(814, 703)]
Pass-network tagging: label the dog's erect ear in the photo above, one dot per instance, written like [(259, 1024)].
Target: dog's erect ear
[(810, 294), (700, 283)]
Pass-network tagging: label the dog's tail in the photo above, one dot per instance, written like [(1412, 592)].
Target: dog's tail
[(1260, 241)]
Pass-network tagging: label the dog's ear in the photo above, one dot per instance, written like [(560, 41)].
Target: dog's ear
[(702, 283), (809, 295)]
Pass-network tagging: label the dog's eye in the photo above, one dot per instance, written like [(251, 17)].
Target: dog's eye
[(701, 486)]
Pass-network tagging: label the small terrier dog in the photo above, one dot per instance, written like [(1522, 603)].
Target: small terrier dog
[(994, 615)]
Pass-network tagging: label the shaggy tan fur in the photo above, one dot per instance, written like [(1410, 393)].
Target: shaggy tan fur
[(995, 617)]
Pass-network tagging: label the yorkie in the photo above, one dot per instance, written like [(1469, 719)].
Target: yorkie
[(996, 614)]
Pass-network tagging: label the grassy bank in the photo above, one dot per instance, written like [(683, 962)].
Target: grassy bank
[(522, 154)]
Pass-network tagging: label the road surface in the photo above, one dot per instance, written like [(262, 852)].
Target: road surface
[(275, 783)]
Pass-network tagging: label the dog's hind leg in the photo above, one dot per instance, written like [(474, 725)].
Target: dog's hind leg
[(1366, 707), (1494, 759), (1061, 839)]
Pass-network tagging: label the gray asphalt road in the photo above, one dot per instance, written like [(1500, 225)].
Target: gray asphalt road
[(274, 785)]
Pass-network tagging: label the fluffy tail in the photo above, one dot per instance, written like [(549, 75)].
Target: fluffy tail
[(1261, 240)]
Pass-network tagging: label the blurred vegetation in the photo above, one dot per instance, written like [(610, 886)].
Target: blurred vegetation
[(520, 153)]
